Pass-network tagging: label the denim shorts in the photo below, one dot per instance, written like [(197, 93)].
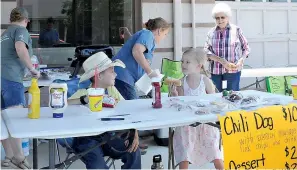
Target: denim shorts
[(12, 94)]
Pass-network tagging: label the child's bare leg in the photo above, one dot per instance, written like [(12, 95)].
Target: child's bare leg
[(184, 165), (218, 163)]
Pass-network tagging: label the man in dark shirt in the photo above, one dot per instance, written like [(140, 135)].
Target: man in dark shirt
[(49, 36)]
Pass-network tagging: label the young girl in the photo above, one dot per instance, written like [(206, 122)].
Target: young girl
[(196, 145)]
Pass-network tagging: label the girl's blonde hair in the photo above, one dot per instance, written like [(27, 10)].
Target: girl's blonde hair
[(201, 58)]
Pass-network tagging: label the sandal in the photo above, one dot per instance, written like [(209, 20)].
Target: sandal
[(21, 164), (142, 152), (6, 162)]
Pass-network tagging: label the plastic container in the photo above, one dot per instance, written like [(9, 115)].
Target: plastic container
[(26, 146), (58, 99), (35, 62), (34, 100), (157, 162), (95, 99), (156, 93)]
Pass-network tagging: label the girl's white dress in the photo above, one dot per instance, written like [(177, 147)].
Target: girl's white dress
[(197, 145)]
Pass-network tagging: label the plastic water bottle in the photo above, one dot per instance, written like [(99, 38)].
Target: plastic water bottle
[(35, 62), (2, 153), (26, 146)]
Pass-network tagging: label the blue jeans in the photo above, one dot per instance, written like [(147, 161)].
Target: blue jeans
[(126, 90), (12, 94), (115, 149), (233, 80)]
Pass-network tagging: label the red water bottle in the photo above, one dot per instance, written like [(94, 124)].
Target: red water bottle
[(156, 94)]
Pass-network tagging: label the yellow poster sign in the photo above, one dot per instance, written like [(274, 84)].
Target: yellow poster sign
[(262, 139)]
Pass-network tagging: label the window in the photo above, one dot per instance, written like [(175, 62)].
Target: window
[(78, 22)]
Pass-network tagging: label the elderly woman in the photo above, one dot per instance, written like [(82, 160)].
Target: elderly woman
[(227, 49), (16, 50)]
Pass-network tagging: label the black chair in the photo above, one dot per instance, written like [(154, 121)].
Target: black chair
[(102, 139), (67, 144), (84, 52)]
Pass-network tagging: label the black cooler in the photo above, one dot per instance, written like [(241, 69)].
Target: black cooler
[(84, 52)]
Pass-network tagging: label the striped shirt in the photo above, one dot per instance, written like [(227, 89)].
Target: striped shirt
[(229, 43)]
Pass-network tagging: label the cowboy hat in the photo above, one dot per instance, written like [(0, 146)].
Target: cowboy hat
[(99, 61)]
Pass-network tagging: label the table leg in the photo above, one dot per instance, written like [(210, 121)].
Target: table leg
[(35, 154), (172, 150), (52, 154), (257, 83), (169, 149)]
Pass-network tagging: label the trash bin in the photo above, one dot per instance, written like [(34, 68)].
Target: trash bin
[(161, 136), (84, 52)]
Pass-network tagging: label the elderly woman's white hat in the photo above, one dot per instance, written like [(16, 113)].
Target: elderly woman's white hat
[(221, 8)]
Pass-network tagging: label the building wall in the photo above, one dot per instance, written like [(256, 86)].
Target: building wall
[(6, 7), (269, 28), (181, 33)]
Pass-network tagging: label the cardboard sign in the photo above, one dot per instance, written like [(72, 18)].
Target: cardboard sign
[(262, 139)]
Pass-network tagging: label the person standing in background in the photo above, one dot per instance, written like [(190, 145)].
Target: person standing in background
[(49, 36), (226, 48), (124, 33), (16, 50)]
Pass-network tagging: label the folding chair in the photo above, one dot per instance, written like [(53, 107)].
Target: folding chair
[(102, 139), (67, 143)]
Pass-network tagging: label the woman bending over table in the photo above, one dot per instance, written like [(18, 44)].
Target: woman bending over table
[(137, 55)]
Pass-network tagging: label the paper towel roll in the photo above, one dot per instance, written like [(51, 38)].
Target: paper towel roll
[(144, 84)]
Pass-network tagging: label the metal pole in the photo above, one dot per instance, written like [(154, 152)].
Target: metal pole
[(35, 154), (172, 150), (52, 154), (169, 149)]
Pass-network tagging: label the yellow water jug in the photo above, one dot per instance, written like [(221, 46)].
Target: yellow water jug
[(34, 100)]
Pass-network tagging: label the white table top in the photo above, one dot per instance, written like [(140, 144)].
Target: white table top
[(4, 132), (79, 121), (265, 72), (46, 83)]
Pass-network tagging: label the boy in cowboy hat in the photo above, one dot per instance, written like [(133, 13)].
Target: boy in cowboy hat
[(100, 63)]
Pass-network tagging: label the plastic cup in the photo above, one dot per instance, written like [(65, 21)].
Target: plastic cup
[(95, 99), (294, 88)]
